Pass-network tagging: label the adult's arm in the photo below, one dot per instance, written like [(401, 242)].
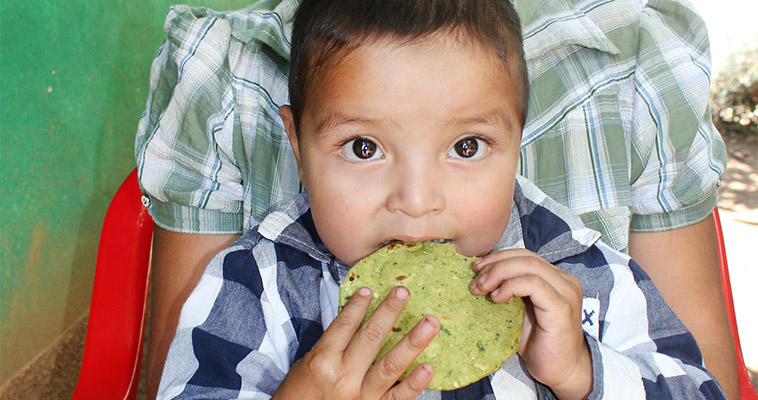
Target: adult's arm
[(677, 159), (187, 171), (683, 264), (211, 152), (178, 262)]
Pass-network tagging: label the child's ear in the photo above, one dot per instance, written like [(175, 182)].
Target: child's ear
[(285, 112)]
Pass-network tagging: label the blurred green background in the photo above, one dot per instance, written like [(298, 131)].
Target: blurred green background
[(73, 83)]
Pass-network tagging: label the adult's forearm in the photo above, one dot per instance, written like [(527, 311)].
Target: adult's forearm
[(178, 261)]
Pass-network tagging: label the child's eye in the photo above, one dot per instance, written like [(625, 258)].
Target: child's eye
[(361, 149), (469, 148)]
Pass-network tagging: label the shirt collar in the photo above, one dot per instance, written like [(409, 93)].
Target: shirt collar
[(551, 24), (293, 226), (543, 226)]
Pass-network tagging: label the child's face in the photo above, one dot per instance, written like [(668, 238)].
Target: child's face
[(409, 142)]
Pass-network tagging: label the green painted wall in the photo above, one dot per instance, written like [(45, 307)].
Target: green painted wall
[(73, 81)]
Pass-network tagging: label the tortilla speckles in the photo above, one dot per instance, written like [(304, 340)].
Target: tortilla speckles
[(476, 335)]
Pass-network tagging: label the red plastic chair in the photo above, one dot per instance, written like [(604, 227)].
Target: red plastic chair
[(113, 349), (747, 391)]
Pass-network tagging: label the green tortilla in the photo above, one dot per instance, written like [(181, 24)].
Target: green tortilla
[(476, 335)]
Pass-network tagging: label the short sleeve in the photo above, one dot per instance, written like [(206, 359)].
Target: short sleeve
[(212, 155), (677, 154)]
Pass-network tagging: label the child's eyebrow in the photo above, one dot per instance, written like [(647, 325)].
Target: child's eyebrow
[(334, 120), (493, 117)]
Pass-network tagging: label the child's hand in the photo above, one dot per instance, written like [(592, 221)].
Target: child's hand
[(552, 341), (341, 364)]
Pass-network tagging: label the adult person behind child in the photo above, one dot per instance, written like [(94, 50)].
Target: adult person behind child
[(381, 163), (618, 129)]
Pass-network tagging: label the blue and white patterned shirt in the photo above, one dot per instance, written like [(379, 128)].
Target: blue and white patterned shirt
[(263, 303)]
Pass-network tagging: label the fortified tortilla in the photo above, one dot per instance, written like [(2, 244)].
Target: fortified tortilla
[(476, 336)]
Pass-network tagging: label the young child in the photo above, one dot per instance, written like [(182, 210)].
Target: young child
[(405, 120)]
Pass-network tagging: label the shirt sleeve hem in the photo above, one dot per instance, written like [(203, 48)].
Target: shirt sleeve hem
[(680, 218), (184, 219), (597, 367)]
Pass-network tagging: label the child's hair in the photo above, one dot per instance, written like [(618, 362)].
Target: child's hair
[(325, 29)]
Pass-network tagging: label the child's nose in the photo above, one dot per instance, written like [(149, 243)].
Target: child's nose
[(417, 191)]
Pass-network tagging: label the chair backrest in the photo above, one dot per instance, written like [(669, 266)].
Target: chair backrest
[(113, 348), (747, 391)]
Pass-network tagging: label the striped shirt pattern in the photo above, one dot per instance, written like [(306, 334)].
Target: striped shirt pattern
[(263, 303), (618, 126)]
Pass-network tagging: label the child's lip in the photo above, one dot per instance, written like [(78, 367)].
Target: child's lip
[(408, 239)]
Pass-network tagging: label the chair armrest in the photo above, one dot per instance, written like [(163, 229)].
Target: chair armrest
[(747, 392), (113, 348)]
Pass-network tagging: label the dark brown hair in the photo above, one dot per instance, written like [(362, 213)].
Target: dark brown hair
[(325, 29)]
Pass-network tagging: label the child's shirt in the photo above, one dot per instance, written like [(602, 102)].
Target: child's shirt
[(263, 303)]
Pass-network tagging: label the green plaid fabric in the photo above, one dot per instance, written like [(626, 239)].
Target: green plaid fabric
[(618, 127)]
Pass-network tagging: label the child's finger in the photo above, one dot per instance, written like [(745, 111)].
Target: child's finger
[(365, 344), (529, 285), (385, 372), (555, 295), (495, 274), (547, 287), (485, 282), (413, 385), (343, 327), (479, 264), (509, 266)]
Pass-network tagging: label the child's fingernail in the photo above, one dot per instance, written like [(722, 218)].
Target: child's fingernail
[(426, 326), (364, 291), (494, 292), (475, 266), (425, 371), (482, 279), (401, 292)]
